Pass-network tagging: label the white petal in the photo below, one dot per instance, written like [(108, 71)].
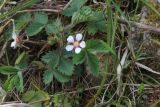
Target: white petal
[(77, 50), (14, 35), (79, 37), (69, 47), (13, 44), (70, 39), (82, 44)]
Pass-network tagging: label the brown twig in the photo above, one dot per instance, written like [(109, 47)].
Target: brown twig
[(2, 52), (140, 26)]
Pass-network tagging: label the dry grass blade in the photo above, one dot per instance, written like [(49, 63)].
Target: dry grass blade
[(16, 105), (146, 68), (119, 69)]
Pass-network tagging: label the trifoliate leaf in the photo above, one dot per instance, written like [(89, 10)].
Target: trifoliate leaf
[(93, 63)]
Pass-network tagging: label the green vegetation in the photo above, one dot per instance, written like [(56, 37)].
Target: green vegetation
[(80, 53)]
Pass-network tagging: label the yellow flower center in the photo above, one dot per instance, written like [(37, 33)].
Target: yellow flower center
[(76, 44)]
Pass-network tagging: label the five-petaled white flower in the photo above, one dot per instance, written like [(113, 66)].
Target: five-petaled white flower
[(75, 43)]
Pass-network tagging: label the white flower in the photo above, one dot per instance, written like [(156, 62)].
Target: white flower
[(14, 44), (75, 43), (15, 38)]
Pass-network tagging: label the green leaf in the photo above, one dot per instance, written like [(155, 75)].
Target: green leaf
[(9, 83), (22, 21), (98, 46), (26, 97), (41, 17), (39, 95), (91, 28), (8, 70), (21, 58), (51, 58), (25, 17), (141, 88), (66, 66), (19, 82), (54, 27), (34, 28), (74, 6), (85, 14), (48, 76), (79, 58), (50, 73), (61, 77), (93, 63), (97, 24)]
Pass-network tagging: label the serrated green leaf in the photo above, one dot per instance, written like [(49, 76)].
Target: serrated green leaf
[(61, 77), (98, 24), (51, 58), (74, 6), (41, 17), (20, 58), (93, 63), (54, 27), (26, 97), (34, 28), (8, 70), (98, 46), (66, 66), (9, 83), (84, 14), (48, 76), (79, 58)]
